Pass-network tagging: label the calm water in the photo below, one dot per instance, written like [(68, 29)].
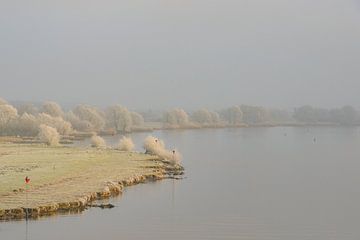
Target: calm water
[(260, 183)]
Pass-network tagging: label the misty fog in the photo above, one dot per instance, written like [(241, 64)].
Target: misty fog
[(190, 54)]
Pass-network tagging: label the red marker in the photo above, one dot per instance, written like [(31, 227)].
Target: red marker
[(27, 180)]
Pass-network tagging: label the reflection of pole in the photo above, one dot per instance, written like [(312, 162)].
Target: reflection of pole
[(174, 159), (173, 180), (27, 205), (26, 231), (173, 193), (27, 181)]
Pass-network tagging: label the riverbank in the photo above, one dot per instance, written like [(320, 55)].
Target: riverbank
[(68, 179)]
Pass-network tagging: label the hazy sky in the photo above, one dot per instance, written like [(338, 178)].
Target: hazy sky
[(188, 53)]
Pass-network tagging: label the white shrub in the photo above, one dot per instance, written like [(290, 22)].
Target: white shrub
[(98, 142), (48, 135), (153, 145), (156, 146), (126, 144)]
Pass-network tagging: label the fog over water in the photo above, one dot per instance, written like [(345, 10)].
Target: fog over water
[(162, 54)]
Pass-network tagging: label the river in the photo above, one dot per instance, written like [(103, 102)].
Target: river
[(247, 183)]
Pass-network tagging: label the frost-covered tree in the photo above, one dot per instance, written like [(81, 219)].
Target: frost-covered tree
[(137, 119), (254, 114), (119, 118), (176, 117), (206, 117), (233, 115), (62, 126), (52, 108), (346, 115), (91, 115), (7, 114), (215, 117), (201, 116), (309, 114), (280, 116), (27, 108), (77, 123), (26, 125), (305, 114)]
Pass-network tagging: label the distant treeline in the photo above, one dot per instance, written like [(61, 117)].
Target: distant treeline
[(256, 115), (27, 119)]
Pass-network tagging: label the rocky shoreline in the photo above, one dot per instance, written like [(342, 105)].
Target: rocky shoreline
[(112, 188)]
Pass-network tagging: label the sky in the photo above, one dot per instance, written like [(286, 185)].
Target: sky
[(160, 54)]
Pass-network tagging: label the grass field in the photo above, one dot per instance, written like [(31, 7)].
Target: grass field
[(63, 174)]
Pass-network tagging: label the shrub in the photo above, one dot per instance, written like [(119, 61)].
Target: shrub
[(48, 135), (98, 142), (156, 146), (126, 144)]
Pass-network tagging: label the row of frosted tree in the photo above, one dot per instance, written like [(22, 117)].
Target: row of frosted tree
[(234, 116), (244, 115), (27, 119)]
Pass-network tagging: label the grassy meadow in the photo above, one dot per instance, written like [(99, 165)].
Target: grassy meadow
[(63, 174)]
